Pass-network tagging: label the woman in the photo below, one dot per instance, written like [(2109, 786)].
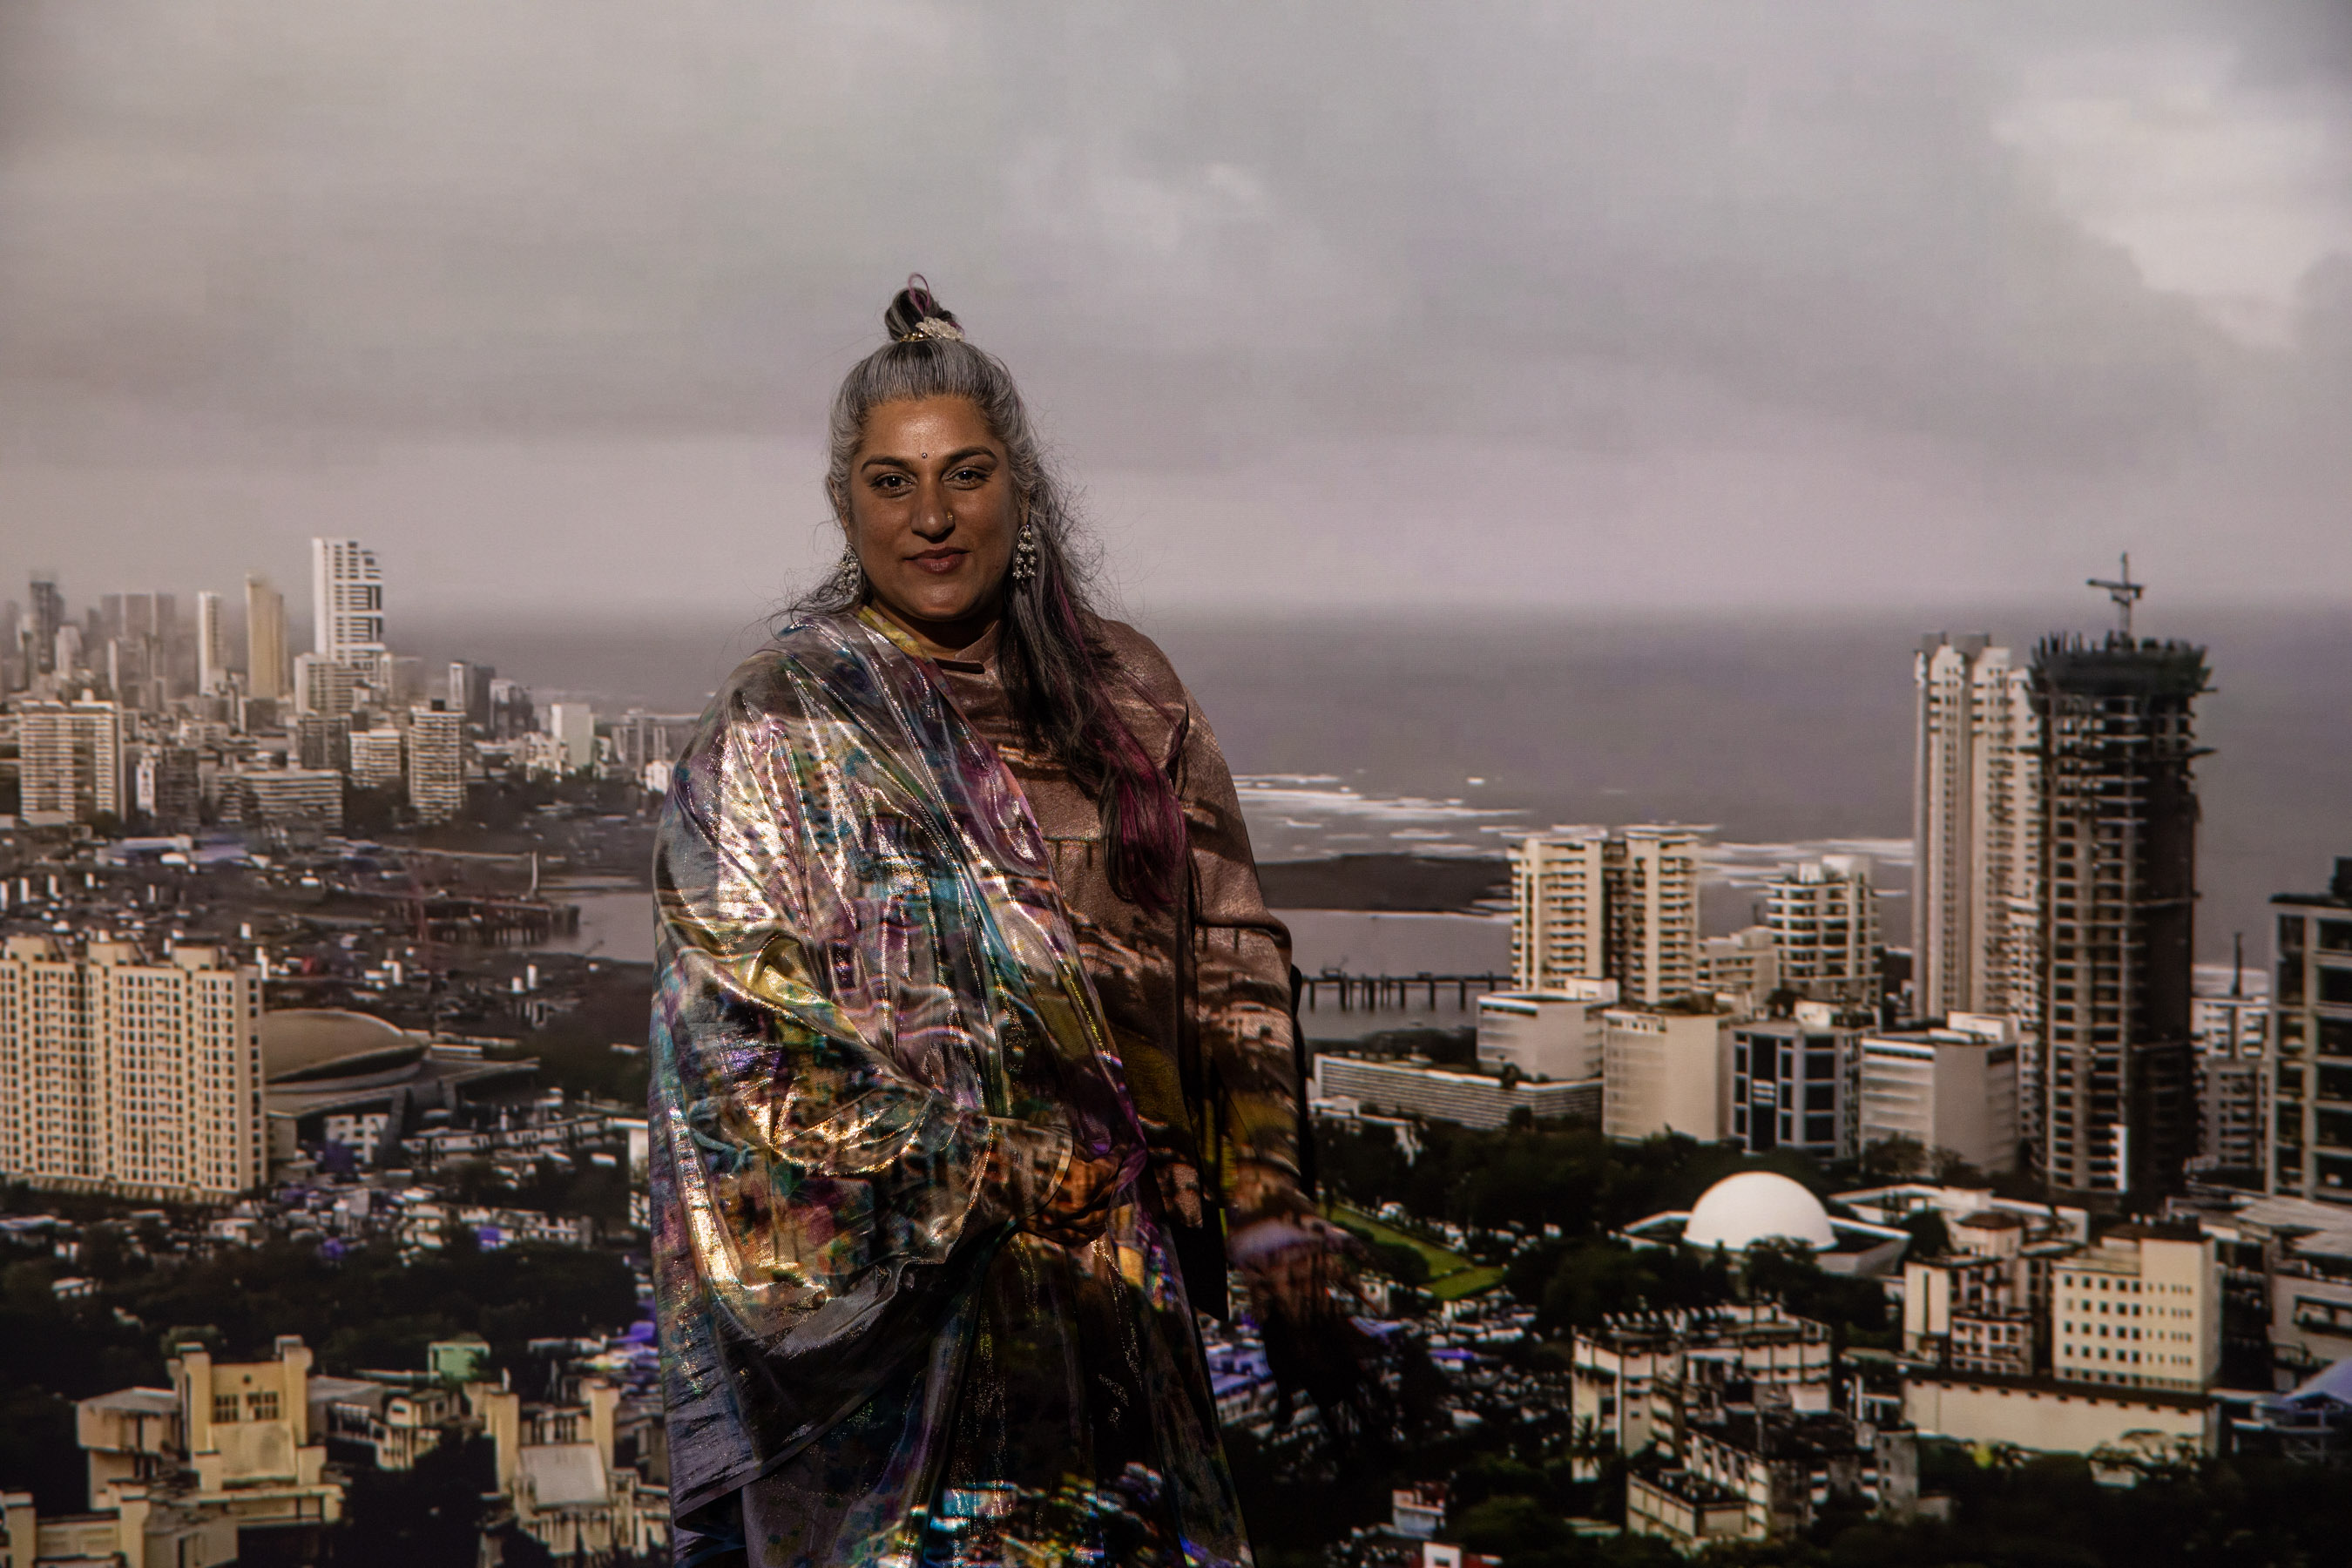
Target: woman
[(972, 1020)]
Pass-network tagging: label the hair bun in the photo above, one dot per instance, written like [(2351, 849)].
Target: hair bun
[(914, 314)]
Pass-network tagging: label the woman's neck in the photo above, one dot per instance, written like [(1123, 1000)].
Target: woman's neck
[(938, 639)]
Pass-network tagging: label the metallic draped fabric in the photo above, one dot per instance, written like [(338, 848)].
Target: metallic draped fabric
[(877, 1042)]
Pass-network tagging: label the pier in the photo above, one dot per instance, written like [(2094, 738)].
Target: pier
[(1348, 991)]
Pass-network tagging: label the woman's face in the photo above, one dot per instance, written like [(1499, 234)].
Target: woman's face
[(932, 517)]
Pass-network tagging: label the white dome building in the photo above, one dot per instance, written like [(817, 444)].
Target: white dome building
[(1740, 1211), (1753, 1206)]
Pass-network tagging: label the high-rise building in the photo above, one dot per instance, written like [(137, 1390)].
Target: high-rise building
[(2231, 1032), (2118, 1082), (68, 658), (1976, 818), (1560, 924), (211, 645), (640, 738), (1592, 904), (512, 714), (573, 726), (1652, 897), (2311, 1036), (346, 602), (70, 767), (38, 636), (123, 1075), (142, 632), (1823, 917), (1796, 1084), (269, 656), (468, 696), (437, 762)]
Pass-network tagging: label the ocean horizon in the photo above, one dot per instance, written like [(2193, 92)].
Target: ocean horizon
[(1785, 734)]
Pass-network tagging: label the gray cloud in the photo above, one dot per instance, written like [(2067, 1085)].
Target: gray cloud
[(1538, 302)]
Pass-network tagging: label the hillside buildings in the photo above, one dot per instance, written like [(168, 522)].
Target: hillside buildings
[(124, 1075)]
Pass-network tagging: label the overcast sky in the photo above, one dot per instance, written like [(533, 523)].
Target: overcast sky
[(1641, 304)]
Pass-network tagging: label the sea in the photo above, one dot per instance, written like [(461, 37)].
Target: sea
[(1786, 732)]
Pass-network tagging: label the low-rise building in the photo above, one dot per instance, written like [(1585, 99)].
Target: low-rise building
[(228, 1448), (559, 1468), (1553, 1034), (2142, 1309), (1683, 1508), (1633, 1377), (1740, 971), (2049, 1415), (286, 797), (1346, 1082), (1666, 1070), (1785, 1467), (1984, 1306), (1951, 1088)]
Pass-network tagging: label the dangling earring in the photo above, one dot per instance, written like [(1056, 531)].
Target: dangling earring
[(848, 580), (1025, 555)]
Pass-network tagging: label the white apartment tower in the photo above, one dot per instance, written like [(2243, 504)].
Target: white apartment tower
[(71, 761), (346, 602), (122, 1075), (1823, 919), (1977, 834), (1593, 904), (1653, 933), (1558, 922), (436, 770)]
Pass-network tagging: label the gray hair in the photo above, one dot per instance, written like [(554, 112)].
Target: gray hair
[(1056, 670)]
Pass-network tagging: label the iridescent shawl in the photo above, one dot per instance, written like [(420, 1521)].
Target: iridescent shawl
[(874, 1053)]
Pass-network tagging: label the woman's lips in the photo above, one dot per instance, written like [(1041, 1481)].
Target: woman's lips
[(936, 560)]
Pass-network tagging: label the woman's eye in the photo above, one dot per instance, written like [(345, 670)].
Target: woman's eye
[(969, 476)]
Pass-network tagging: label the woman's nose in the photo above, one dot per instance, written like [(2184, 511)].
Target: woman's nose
[(933, 520)]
